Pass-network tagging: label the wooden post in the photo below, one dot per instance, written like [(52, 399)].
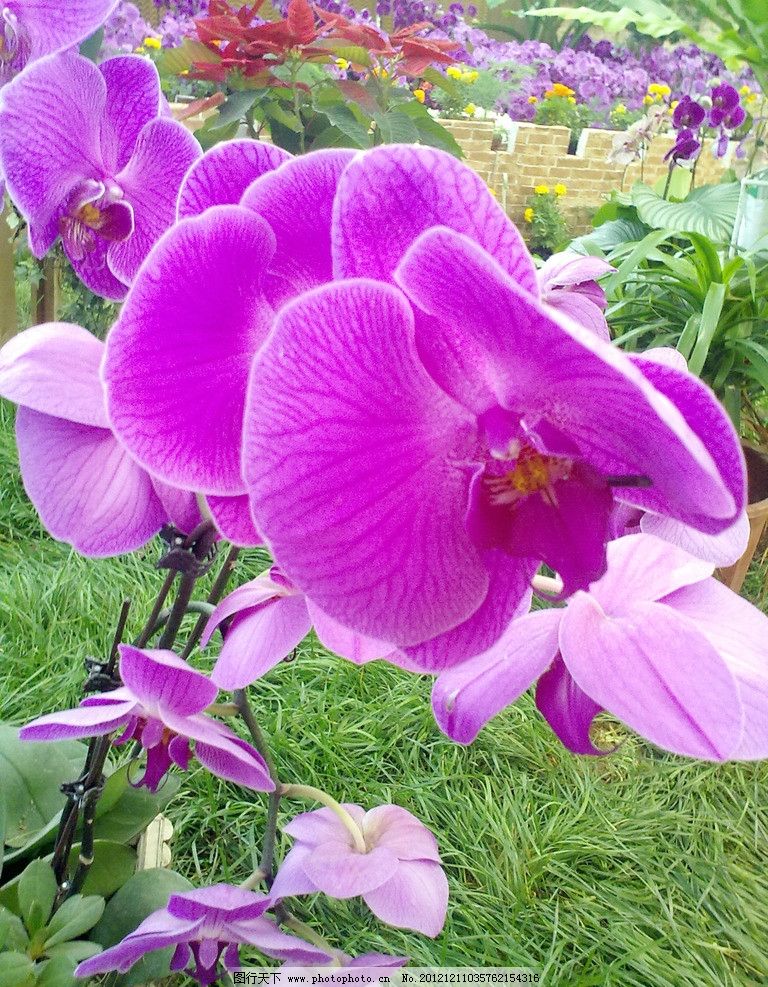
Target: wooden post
[(8, 319), (45, 305)]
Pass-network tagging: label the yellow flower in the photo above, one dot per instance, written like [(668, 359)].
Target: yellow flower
[(659, 89), (153, 43), (558, 89), (342, 63), (419, 95), (745, 90), (141, 50), (184, 72), (528, 215), (647, 100), (751, 98), (470, 109), (674, 104), (533, 99), (560, 189), (541, 190), (571, 99), (453, 72), (380, 73), (619, 109), (469, 76)]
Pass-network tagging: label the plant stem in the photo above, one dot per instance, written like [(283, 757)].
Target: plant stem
[(309, 792), (157, 607), (217, 591), (668, 181), (307, 933), (199, 542)]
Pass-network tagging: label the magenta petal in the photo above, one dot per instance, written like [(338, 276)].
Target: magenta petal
[(85, 721), (739, 632), (162, 677), (303, 255), (163, 154), (53, 25), (49, 138), (86, 489), (342, 641), (362, 496), (133, 99), (720, 550), (177, 360), (268, 939), (509, 596), (233, 519), (390, 195), (322, 825), (292, 879), (567, 709), (92, 268), (466, 697), (249, 596), (400, 831), (582, 310), (156, 932), (415, 898), (568, 269), (259, 639), (54, 368), (341, 872), (656, 672), (180, 506), (234, 760), (556, 374), (643, 569), (221, 176)]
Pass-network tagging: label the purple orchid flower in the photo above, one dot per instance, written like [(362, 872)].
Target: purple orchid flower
[(688, 114), (725, 99), (161, 707), (207, 926), (86, 488), (271, 618), (30, 29), (685, 148), (386, 855), (502, 448), (88, 156), (670, 651), (569, 283)]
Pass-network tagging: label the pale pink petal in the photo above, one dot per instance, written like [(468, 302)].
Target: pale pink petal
[(400, 831), (415, 898), (74, 724), (322, 825), (721, 550), (341, 872), (292, 878)]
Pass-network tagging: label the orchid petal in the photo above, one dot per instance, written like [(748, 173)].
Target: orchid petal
[(466, 697), (398, 830), (341, 872), (322, 825), (74, 724), (53, 25), (374, 487), (342, 641), (270, 940), (86, 489), (582, 310), (249, 596), (222, 174), (658, 673), (415, 898), (236, 761), (133, 99), (54, 368), (156, 676), (174, 328), (157, 931), (233, 519), (567, 709), (721, 550), (292, 879)]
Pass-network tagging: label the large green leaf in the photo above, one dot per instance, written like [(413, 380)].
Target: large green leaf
[(74, 918), (30, 776), (396, 127), (649, 17), (145, 893), (16, 970), (124, 811), (344, 119), (710, 317), (709, 210), (36, 893), (610, 235), (431, 131)]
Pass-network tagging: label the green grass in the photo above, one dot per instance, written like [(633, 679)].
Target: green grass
[(636, 869)]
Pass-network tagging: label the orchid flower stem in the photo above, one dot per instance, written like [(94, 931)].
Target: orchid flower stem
[(157, 607), (669, 180), (307, 933), (254, 880), (194, 606), (309, 792), (223, 709), (546, 584), (217, 591)]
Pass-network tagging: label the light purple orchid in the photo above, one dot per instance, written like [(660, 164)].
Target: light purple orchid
[(30, 29), (569, 282), (207, 926), (86, 488), (391, 860), (412, 506), (88, 156), (670, 651), (160, 705), (270, 618)]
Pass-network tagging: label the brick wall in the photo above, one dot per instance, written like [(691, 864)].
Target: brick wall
[(539, 155)]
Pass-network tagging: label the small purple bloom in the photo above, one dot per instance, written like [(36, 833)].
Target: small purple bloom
[(569, 283), (392, 861), (207, 927), (161, 707), (657, 642), (725, 98), (735, 118), (686, 146), (688, 114), (86, 488), (270, 618), (88, 156)]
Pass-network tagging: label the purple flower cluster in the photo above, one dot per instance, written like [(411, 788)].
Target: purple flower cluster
[(725, 115), (126, 29)]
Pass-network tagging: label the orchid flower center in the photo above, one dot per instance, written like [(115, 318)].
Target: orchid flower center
[(94, 211), (531, 472)]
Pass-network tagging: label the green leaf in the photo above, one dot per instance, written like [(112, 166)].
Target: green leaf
[(342, 117), (353, 53), (655, 20), (77, 951), (58, 972), (13, 935), (396, 127), (710, 317), (330, 137), (16, 970), (709, 261), (125, 810), (174, 61), (688, 335), (709, 210), (143, 894), (234, 108), (430, 131), (76, 916), (611, 235), (757, 360), (36, 893), (443, 82), (30, 776), (679, 185), (635, 257), (273, 111)]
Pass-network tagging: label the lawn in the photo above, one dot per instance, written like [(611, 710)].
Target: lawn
[(637, 869)]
